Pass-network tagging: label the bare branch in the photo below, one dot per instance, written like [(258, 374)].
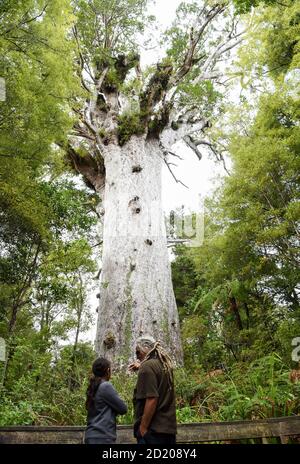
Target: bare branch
[(92, 170), (97, 244), (226, 80), (170, 136), (233, 39), (20, 49), (86, 123), (82, 62), (195, 37), (167, 152), (218, 154), (82, 132), (26, 21), (191, 143), (173, 175)]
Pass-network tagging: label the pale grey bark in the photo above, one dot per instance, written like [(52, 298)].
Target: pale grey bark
[(136, 293)]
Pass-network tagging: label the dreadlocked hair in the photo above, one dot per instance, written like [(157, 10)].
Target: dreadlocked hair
[(164, 359), (99, 368)]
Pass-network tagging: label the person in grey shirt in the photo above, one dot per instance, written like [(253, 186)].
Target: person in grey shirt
[(103, 404)]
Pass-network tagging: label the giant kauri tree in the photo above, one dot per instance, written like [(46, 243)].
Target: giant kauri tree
[(127, 125)]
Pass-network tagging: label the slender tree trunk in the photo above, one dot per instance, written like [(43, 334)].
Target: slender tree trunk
[(136, 293), (11, 328), (235, 310), (79, 310), (76, 336), (247, 314), (73, 380)]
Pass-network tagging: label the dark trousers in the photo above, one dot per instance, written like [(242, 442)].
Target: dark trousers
[(152, 438)]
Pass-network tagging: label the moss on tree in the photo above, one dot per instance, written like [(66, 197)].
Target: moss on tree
[(129, 124), (157, 86)]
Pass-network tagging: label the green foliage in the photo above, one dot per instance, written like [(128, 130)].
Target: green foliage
[(202, 95), (49, 390), (102, 25), (44, 221), (129, 124), (22, 413), (195, 94), (244, 6), (259, 390), (34, 54), (248, 265), (45, 260), (272, 46), (184, 278), (241, 310), (125, 384), (265, 392), (72, 207)]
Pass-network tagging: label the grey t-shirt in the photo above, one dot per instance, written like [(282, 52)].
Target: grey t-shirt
[(101, 420)]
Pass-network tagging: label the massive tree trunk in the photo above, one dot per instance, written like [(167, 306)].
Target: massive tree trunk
[(125, 129), (136, 293)]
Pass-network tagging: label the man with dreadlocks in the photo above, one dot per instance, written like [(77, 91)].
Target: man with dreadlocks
[(154, 397)]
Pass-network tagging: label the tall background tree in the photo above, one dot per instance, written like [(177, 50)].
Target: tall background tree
[(44, 221)]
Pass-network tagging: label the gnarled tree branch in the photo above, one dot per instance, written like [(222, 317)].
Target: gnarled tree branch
[(90, 167)]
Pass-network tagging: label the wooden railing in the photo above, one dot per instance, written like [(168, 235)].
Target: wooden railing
[(283, 428)]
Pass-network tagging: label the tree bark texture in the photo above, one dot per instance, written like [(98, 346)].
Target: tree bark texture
[(136, 292)]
